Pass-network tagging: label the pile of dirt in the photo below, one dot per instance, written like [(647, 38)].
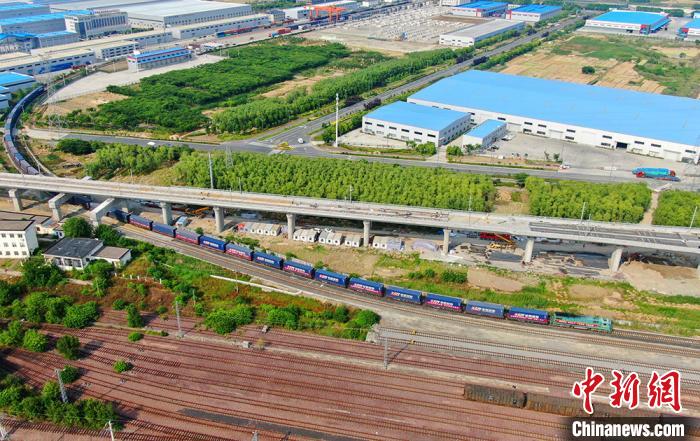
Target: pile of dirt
[(663, 279)]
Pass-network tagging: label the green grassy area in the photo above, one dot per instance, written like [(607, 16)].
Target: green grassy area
[(678, 208)]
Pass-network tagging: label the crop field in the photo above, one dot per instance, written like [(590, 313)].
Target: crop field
[(622, 62)]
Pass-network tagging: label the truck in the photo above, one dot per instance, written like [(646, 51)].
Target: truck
[(653, 173), (283, 31)]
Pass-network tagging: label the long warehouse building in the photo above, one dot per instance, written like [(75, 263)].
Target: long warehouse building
[(690, 30), (657, 125), (473, 34), (629, 21)]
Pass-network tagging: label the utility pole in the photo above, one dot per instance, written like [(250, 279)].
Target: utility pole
[(692, 219), (583, 210), (4, 435), (177, 314), (211, 173), (255, 436), (386, 352), (109, 428), (335, 143), (64, 396)]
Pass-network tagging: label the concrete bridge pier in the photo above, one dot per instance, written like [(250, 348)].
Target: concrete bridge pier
[(219, 217), (55, 205), (616, 259), (365, 232), (446, 241), (529, 248), (16, 196), (99, 211), (291, 225), (167, 210)]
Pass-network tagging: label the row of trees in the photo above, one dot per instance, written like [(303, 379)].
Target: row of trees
[(344, 126), (677, 207), (117, 158), (41, 307), (340, 179), (174, 101), (600, 202), (79, 146)]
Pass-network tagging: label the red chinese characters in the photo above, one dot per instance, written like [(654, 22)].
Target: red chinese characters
[(584, 389), (625, 389), (665, 390)]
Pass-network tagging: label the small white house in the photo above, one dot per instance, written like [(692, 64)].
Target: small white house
[(17, 239)]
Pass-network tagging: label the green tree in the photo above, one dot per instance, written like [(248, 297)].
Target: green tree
[(80, 316), (35, 341), (68, 346), (224, 321), (13, 335), (107, 234), (77, 227), (36, 273), (135, 336), (133, 318), (50, 392), (122, 366), (69, 374), (341, 314), (8, 293), (588, 70), (454, 150)]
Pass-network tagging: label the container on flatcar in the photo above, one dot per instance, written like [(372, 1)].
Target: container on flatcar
[(186, 235), (528, 315), (366, 286), (239, 251), (484, 308), (163, 229), (300, 269), (331, 277), (582, 322), (403, 294), (443, 302), (213, 243), (268, 259), (140, 222), (121, 216)]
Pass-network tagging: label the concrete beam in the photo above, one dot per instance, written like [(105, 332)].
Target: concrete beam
[(99, 211), (616, 259), (291, 225), (367, 225), (219, 217), (16, 196), (55, 205), (529, 248), (167, 210), (446, 241)]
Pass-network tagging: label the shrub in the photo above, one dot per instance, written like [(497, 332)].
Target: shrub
[(69, 374), (454, 150), (36, 273), (80, 316), (35, 341), (223, 321), (133, 318), (426, 149), (135, 336), (119, 304), (341, 314), (78, 146), (13, 335), (588, 70), (366, 318), (122, 366), (68, 346), (453, 277), (77, 227), (162, 309)]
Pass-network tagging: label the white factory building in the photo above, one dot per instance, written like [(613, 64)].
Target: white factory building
[(16, 9), (420, 124), (485, 134), (305, 12), (533, 13), (98, 24), (214, 27), (183, 13), (690, 30), (635, 22), (139, 61), (12, 82), (473, 34), (480, 8), (650, 124)]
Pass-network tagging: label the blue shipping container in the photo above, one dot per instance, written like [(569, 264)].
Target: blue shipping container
[(443, 302), (366, 286), (166, 230), (330, 277), (140, 222), (299, 269), (485, 309), (211, 242), (268, 259), (403, 294), (528, 315), (121, 216), (239, 251)]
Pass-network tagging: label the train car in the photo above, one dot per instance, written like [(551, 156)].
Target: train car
[(403, 294), (484, 308), (443, 302), (187, 236), (268, 260), (140, 222), (588, 322), (239, 251), (366, 286), (121, 216), (331, 277), (528, 315), (300, 269), (212, 242), (165, 230)]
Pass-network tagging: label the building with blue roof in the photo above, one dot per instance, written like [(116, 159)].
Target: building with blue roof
[(629, 21), (139, 61), (11, 10), (485, 134), (13, 82), (37, 24), (690, 29), (533, 13), (480, 8), (651, 124), (411, 122)]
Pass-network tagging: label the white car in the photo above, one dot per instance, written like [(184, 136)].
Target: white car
[(300, 140), (151, 144), (564, 166)]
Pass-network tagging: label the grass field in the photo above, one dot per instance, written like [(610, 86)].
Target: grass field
[(623, 62)]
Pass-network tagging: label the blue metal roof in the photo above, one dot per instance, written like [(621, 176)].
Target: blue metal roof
[(12, 77), (695, 24), (661, 117), (634, 17), (538, 9), (483, 5), (486, 128), (401, 112), (54, 34), (42, 17), (158, 52), (16, 6)]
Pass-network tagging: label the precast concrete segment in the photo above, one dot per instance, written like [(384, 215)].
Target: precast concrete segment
[(653, 237), (55, 205), (167, 210), (99, 211), (291, 225), (616, 259), (529, 248)]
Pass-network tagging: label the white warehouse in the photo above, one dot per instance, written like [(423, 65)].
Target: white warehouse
[(182, 13), (662, 126), (214, 27), (421, 124), (473, 34)]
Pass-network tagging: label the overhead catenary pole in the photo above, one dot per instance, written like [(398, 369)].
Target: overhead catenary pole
[(692, 219), (386, 352), (177, 314), (335, 143), (211, 173), (64, 395), (109, 427), (4, 435), (583, 210)]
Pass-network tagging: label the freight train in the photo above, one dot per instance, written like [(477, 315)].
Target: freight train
[(370, 287), (18, 160)]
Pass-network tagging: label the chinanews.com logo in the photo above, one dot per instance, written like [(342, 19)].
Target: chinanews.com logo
[(662, 396)]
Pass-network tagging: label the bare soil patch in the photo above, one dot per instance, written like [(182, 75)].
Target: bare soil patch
[(486, 279), (506, 204), (298, 81), (83, 102), (600, 295), (663, 279)]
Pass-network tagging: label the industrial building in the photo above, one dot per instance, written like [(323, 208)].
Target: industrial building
[(139, 61), (54, 39), (103, 49), (453, 2), (629, 21), (36, 24), (4, 99), (657, 125), (182, 12), (485, 134), (98, 23), (690, 29), (473, 34), (215, 27), (13, 82), (304, 12), (24, 42), (12, 10), (421, 124), (533, 13), (277, 15), (76, 253), (37, 64), (481, 8)]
